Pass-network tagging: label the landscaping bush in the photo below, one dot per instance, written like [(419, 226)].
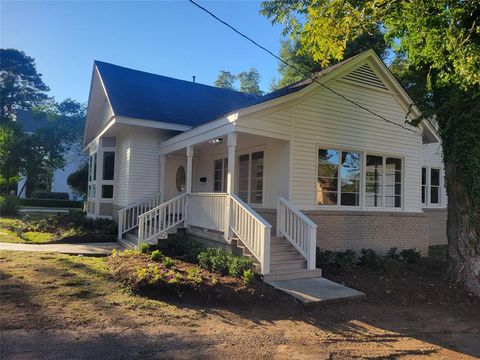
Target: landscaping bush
[(156, 255), (392, 254), (52, 203), (144, 248), (324, 257), (224, 262), (346, 259), (50, 195), (186, 248), (167, 262), (248, 276), (194, 275), (371, 259), (9, 205), (238, 265), (410, 255)]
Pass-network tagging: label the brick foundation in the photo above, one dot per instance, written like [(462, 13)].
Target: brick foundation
[(342, 230), (437, 224)]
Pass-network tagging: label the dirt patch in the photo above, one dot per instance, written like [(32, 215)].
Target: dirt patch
[(187, 283), (88, 314)]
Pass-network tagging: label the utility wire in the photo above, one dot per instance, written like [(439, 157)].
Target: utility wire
[(297, 69)]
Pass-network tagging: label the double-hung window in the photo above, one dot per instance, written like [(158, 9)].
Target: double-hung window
[(424, 186), (338, 178), (250, 177), (431, 186)]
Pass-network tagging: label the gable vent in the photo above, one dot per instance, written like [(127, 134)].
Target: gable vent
[(365, 75)]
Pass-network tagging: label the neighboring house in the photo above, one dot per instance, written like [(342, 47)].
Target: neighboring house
[(276, 175), (57, 182)]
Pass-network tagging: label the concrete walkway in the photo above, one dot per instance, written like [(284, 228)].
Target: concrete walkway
[(318, 290), (90, 249)]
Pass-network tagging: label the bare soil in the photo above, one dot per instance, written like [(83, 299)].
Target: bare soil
[(58, 306)]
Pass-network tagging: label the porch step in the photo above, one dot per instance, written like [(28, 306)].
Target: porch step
[(291, 275), (287, 265), (128, 243), (285, 255)]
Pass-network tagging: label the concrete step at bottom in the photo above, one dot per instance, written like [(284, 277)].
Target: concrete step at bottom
[(290, 275), (288, 265)]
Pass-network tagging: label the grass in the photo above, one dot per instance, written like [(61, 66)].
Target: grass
[(62, 291), (9, 234)]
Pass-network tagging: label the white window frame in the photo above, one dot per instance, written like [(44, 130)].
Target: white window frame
[(384, 170), (422, 186), (428, 198), (249, 152), (224, 159), (339, 179)]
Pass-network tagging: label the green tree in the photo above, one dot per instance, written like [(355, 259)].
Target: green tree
[(21, 86), (291, 52), (438, 42), (78, 180), (225, 80), (250, 81), (12, 146), (49, 145)]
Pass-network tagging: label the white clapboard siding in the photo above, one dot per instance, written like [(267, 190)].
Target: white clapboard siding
[(321, 118), (122, 169)]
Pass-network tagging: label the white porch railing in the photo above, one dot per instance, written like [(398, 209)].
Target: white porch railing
[(252, 230), (207, 210), (157, 221), (298, 229), (128, 216)]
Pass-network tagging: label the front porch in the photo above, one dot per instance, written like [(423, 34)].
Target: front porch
[(213, 187)]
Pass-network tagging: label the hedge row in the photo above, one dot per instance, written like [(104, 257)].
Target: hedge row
[(51, 203)]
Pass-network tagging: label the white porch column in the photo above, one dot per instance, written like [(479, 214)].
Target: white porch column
[(232, 144), (189, 168), (163, 160)]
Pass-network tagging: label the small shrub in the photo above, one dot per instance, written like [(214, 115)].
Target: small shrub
[(144, 248), (128, 253), (248, 276), (167, 262), (392, 254), (9, 205), (173, 277), (214, 259), (186, 248), (324, 257), (391, 265), (410, 255), (371, 259), (345, 259), (156, 255), (238, 265), (193, 274), (141, 274)]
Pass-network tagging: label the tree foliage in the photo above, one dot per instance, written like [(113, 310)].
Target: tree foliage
[(437, 44), (21, 86), (249, 81), (78, 180), (225, 80)]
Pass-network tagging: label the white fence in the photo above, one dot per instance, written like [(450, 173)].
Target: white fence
[(157, 221), (298, 229), (128, 216), (207, 210), (252, 230)]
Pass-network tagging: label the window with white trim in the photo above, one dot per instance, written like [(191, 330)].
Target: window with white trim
[(338, 178), (250, 177), (220, 167), (383, 183), (435, 186), (424, 185)]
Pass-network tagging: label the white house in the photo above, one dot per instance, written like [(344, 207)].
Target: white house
[(310, 165)]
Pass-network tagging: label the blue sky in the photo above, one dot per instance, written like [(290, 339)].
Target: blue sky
[(171, 38)]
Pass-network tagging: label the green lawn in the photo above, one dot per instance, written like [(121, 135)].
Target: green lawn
[(9, 234)]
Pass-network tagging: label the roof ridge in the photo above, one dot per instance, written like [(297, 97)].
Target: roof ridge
[(172, 78)]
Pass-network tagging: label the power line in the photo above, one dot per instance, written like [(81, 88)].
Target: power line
[(296, 68)]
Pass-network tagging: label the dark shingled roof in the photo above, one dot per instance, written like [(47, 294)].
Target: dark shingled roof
[(143, 95)]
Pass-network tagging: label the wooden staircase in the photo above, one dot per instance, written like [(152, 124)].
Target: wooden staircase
[(285, 261)]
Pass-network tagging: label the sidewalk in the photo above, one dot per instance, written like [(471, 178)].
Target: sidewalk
[(91, 249)]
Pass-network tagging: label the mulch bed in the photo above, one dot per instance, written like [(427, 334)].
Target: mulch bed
[(212, 289)]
